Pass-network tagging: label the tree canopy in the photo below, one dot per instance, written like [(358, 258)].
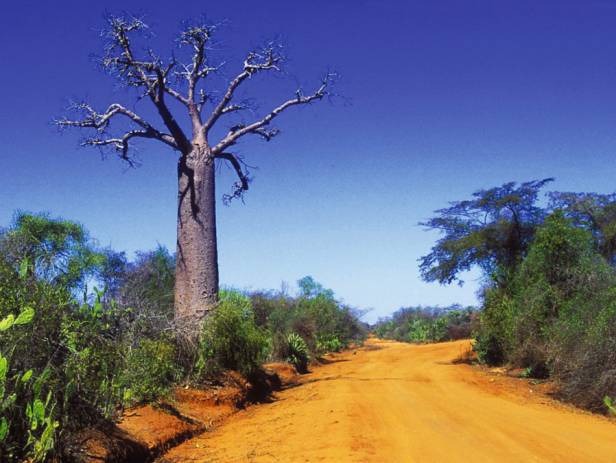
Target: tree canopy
[(492, 230), (593, 212), (52, 249)]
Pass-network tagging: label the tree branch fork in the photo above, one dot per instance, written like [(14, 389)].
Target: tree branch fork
[(184, 83)]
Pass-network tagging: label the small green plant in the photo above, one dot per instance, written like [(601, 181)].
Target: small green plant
[(42, 425), (297, 352), (610, 405), (527, 372)]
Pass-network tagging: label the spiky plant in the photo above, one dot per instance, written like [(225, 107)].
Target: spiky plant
[(297, 350)]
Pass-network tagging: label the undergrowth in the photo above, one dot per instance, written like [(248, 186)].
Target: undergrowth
[(73, 356)]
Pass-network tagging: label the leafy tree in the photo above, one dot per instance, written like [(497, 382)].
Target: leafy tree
[(309, 287), (198, 144), (547, 298), (555, 270), (55, 250), (594, 212), (112, 273), (492, 231)]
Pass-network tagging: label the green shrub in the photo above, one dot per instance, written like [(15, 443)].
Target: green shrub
[(297, 352), (64, 368), (329, 344), (150, 372), (29, 431), (71, 357), (557, 315), (230, 338), (583, 350), (28, 403), (427, 324), (146, 286), (493, 338), (324, 324)]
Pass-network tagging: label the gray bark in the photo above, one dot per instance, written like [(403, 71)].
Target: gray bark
[(196, 286)]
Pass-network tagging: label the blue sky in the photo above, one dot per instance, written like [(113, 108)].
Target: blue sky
[(441, 98)]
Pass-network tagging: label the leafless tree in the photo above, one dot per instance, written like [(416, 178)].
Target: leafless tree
[(161, 82)]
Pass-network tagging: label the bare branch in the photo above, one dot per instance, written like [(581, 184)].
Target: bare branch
[(120, 144), (150, 75), (100, 121), (259, 127), (241, 186), (266, 134), (268, 59), (233, 108)]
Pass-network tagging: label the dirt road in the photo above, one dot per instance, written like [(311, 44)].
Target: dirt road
[(393, 402)]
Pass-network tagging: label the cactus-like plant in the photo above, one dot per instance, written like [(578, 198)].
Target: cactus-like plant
[(39, 413), (297, 352)]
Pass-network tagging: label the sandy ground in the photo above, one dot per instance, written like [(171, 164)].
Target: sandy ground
[(393, 402)]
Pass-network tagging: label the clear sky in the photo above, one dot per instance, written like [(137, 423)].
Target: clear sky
[(442, 98)]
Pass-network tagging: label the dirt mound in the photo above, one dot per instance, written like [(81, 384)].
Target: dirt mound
[(107, 443), (285, 372), (146, 432)]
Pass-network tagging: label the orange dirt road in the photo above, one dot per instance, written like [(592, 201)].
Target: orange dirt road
[(394, 402)]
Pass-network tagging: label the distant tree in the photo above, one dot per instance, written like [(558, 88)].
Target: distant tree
[(309, 287), (157, 80), (112, 273), (594, 212), (55, 250), (492, 231), (147, 288)]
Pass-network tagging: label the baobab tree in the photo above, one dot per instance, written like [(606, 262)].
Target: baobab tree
[(174, 80)]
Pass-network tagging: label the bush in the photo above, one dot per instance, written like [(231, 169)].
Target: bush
[(557, 316), (494, 336), (67, 368), (427, 324), (146, 286), (150, 372), (30, 434), (556, 269), (583, 355), (28, 405), (329, 344), (323, 323), (297, 352), (231, 339), (72, 357)]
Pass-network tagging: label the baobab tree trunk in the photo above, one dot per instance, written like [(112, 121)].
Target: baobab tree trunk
[(196, 278)]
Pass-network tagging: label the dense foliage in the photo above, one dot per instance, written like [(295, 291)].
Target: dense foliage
[(558, 316), (72, 355), (428, 324), (231, 339), (315, 315), (552, 309)]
